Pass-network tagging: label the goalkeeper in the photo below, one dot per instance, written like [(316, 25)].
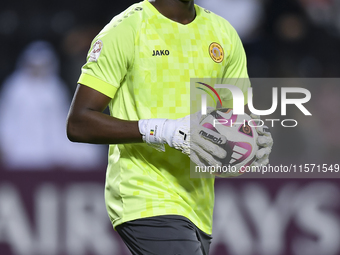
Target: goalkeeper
[(140, 66)]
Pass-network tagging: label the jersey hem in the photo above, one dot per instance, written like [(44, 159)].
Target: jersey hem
[(97, 84), (119, 221)]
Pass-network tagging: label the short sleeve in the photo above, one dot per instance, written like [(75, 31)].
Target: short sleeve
[(236, 70), (237, 66), (109, 58)]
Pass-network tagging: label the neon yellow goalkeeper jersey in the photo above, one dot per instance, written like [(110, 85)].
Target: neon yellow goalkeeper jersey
[(144, 62)]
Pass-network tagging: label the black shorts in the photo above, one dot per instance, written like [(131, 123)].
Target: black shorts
[(164, 235)]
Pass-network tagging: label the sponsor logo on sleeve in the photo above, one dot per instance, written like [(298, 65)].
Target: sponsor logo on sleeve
[(97, 49)]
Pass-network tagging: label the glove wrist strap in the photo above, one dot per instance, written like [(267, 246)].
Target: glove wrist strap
[(152, 132)]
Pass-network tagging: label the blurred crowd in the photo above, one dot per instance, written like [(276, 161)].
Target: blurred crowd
[(43, 50), (33, 107)]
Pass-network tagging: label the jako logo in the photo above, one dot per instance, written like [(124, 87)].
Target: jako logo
[(160, 53)]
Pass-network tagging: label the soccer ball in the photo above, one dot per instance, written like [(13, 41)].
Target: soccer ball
[(241, 137)]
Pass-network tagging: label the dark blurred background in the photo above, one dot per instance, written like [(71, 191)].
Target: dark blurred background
[(283, 38), (69, 26), (56, 207)]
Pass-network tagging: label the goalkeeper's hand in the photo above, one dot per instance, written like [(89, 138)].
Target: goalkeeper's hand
[(202, 147), (264, 141)]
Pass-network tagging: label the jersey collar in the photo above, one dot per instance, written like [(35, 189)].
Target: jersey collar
[(155, 11)]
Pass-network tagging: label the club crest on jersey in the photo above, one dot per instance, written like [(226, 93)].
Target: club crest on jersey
[(97, 49), (157, 53), (216, 52)]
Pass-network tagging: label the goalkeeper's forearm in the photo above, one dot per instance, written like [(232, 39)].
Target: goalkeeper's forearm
[(99, 128), (87, 123)]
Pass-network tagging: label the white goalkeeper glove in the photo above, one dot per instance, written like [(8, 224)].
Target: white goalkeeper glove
[(265, 141), (199, 143)]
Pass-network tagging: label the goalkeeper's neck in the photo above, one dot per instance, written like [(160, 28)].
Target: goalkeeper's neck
[(181, 11)]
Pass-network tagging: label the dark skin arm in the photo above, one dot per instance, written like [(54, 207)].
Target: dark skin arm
[(87, 123)]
